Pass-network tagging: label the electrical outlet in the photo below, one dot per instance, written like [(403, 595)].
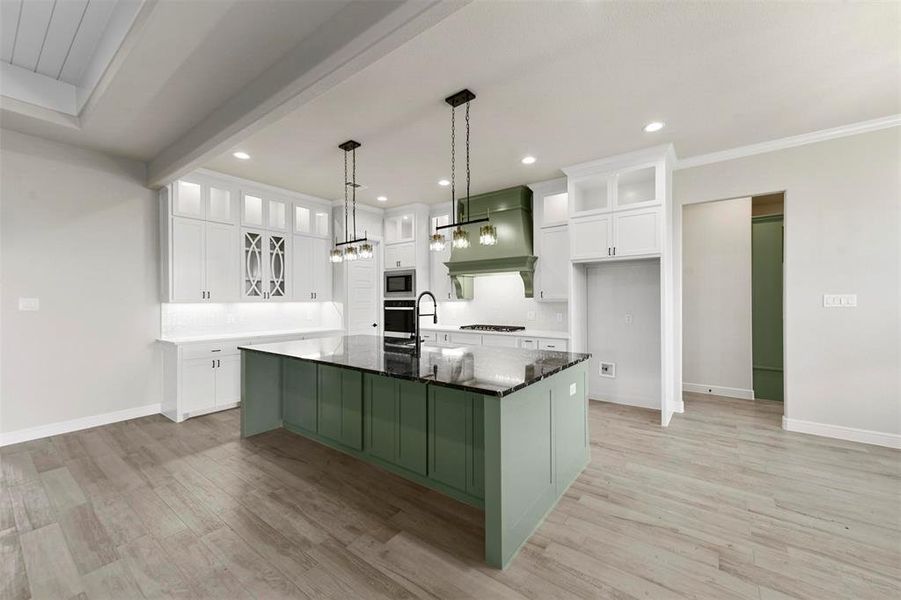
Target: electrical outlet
[(628, 318), (230, 318), (559, 317), (29, 304), (839, 300), (607, 369)]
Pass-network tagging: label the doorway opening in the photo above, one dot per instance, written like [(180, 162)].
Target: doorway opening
[(767, 258), (732, 299)]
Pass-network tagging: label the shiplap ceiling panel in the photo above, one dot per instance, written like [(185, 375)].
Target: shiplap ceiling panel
[(33, 23), (54, 38), (9, 23), (96, 18), (63, 27)]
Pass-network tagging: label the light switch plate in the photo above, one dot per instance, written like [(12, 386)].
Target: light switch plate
[(559, 317), (628, 318), (839, 300), (29, 304), (572, 389)]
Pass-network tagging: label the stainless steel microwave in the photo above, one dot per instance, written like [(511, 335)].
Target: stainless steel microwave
[(400, 284)]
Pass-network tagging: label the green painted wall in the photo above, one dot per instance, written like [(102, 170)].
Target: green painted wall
[(766, 305)]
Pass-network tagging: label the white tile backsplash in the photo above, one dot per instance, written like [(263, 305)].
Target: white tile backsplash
[(184, 320), (499, 300)]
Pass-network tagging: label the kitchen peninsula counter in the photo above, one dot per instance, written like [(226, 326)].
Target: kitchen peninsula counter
[(502, 429)]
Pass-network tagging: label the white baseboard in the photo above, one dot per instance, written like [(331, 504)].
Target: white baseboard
[(42, 431), (865, 436), (627, 401), (717, 390)]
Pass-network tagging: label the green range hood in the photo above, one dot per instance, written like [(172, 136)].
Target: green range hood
[(510, 211)]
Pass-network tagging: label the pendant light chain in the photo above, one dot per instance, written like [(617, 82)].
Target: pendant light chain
[(467, 160), (345, 196), (354, 192), (453, 163)]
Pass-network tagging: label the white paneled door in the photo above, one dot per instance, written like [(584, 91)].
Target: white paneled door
[(221, 249), (187, 260), (362, 297)]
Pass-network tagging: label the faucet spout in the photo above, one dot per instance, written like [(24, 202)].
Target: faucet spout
[(433, 314)]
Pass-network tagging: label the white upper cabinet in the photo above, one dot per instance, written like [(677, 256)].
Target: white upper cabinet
[(264, 211), (400, 256), (264, 265), (187, 198), (221, 204), (311, 269), (204, 261), (553, 264), (311, 219), (400, 228), (637, 188), (616, 207), (202, 198)]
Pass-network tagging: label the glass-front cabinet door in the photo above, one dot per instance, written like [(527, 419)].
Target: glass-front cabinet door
[(252, 207), (221, 204), (277, 214), (188, 199), (277, 279), (311, 220), (252, 265)]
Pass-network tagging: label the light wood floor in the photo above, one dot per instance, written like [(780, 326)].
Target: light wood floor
[(722, 504)]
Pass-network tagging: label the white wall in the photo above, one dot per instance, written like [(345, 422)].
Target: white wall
[(500, 300), (615, 290), (842, 235), (716, 314), (79, 231)]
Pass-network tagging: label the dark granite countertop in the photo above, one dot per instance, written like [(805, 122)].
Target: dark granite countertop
[(485, 370)]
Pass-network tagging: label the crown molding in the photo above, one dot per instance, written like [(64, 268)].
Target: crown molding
[(790, 142)]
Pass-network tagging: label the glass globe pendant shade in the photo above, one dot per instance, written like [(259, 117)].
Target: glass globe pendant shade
[(461, 238), (487, 235), (350, 253), (336, 256), (437, 243), (365, 250)]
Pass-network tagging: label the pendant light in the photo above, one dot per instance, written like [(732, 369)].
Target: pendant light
[(460, 237), (350, 252)]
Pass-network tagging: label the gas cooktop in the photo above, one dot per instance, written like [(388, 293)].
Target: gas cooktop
[(500, 328)]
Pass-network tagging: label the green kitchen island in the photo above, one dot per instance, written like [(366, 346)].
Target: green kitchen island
[(502, 429)]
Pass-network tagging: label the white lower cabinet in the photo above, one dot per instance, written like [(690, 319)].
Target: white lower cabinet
[(499, 341), (208, 385)]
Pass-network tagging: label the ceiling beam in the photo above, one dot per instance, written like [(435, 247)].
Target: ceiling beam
[(357, 36)]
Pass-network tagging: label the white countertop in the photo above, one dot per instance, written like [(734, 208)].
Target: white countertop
[(527, 332), (217, 337)]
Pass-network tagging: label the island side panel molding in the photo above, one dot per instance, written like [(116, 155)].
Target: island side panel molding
[(531, 457), (261, 393), (340, 406)]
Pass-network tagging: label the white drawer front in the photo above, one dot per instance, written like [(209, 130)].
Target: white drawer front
[(467, 339), (549, 344), (500, 341), (212, 349), (528, 343)]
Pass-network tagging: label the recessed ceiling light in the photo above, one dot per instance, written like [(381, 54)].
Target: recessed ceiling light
[(241, 155), (528, 160), (382, 198), (444, 182), (654, 126)]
